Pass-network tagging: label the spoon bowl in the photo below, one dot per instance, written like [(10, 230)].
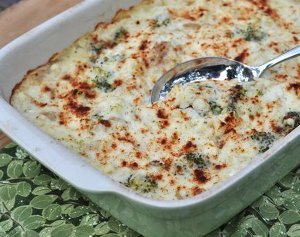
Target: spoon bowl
[(213, 68)]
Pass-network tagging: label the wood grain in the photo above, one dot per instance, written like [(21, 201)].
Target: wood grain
[(3, 139), (27, 14), (22, 17)]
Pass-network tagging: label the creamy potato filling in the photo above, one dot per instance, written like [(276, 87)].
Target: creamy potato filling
[(94, 95)]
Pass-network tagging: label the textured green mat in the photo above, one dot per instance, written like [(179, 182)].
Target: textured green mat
[(35, 202)]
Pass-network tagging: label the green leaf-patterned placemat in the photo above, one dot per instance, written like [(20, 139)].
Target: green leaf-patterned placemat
[(35, 202)]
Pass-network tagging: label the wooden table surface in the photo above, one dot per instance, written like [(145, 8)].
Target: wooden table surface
[(22, 17)]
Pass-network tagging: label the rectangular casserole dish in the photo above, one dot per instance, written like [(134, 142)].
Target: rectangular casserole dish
[(190, 217)]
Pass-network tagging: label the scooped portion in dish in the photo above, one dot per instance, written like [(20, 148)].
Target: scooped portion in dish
[(94, 95)]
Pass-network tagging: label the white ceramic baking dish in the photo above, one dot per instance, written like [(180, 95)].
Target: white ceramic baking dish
[(191, 217)]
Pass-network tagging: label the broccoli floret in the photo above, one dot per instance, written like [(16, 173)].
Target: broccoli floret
[(97, 48), (158, 23), (259, 93), (101, 80), (264, 140), (197, 159), (292, 120), (253, 34), (236, 93), (102, 84), (215, 108), (97, 117), (120, 34), (143, 184)]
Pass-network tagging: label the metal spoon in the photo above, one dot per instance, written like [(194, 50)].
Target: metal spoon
[(214, 68)]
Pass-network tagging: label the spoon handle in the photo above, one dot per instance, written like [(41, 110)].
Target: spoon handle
[(285, 56)]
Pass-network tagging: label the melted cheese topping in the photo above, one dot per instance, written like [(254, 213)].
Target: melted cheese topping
[(94, 95)]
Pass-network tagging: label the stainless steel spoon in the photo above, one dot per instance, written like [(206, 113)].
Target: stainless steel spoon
[(214, 68)]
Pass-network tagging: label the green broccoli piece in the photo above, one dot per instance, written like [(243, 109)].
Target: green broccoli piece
[(295, 116), (143, 184), (102, 84), (197, 159), (264, 140), (96, 48), (215, 108), (259, 93), (158, 23), (101, 80), (236, 93), (120, 34), (253, 34)]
